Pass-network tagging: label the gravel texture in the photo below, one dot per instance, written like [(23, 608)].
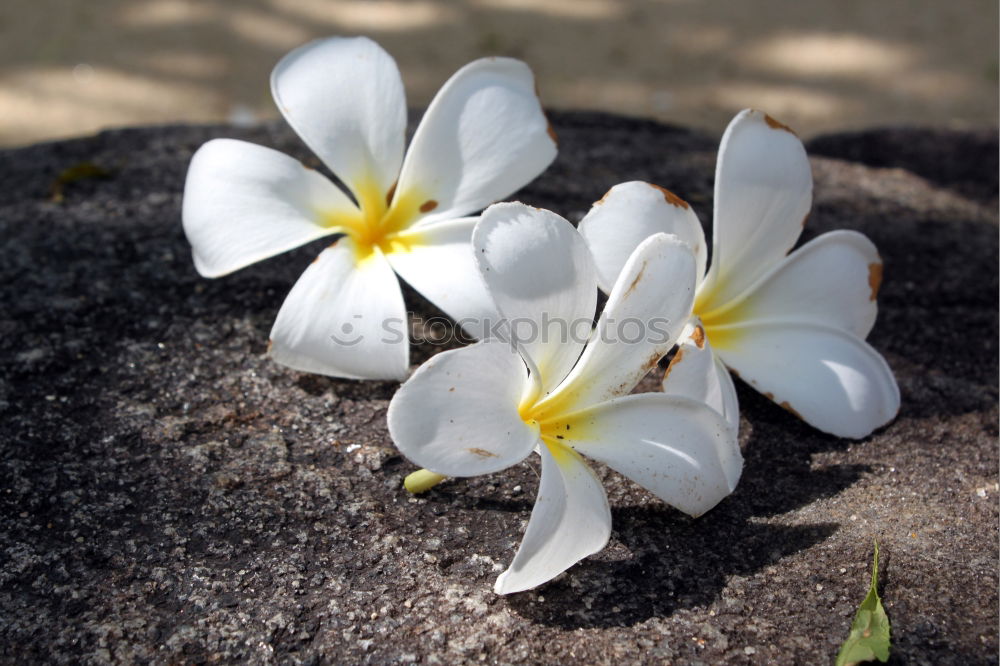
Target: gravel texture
[(168, 495)]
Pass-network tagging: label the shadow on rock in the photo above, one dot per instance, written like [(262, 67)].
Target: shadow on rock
[(675, 563), (961, 160), (460, 499), (664, 561)]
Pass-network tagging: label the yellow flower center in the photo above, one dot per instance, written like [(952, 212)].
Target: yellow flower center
[(554, 420), (382, 219), (718, 320), (550, 418)]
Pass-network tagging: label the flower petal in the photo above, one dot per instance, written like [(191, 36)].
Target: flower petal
[(571, 520), (831, 280), (831, 379), (645, 314), (483, 137), (629, 214), (244, 203), (541, 277), (763, 190), (437, 260), (458, 414), (344, 97), (677, 448), (344, 318), (695, 372)]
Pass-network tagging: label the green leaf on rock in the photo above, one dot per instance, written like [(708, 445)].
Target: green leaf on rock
[(76, 173), (869, 639)]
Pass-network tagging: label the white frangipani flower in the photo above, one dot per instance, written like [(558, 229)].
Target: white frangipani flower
[(483, 137), (483, 408), (792, 326)]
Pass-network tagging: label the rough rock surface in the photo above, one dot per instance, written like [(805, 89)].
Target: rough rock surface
[(169, 495)]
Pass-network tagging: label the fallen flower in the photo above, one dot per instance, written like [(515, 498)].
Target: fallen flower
[(483, 136), (483, 408), (792, 326)]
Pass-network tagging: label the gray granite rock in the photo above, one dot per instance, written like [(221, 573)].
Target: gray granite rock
[(168, 495)]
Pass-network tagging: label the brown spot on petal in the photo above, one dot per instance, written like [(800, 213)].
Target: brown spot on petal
[(603, 199), (774, 124), (786, 406), (483, 453), (270, 344), (638, 277), (874, 279), (698, 335), (674, 361), (428, 206), (653, 359), (552, 134), (390, 194), (769, 396), (671, 198)]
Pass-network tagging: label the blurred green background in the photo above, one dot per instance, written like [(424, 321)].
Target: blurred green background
[(71, 67)]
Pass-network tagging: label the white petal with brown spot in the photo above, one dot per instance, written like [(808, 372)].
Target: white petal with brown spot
[(483, 137), (792, 325)]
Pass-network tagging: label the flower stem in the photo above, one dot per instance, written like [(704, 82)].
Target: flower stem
[(422, 480)]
